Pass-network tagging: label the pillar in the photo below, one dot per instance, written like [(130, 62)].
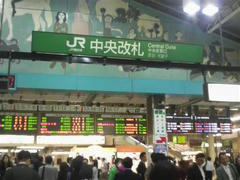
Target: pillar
[(211, 148), (157, 135)]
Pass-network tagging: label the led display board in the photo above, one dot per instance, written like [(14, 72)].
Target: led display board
[(120, 125), (67, 124), (18, 124)]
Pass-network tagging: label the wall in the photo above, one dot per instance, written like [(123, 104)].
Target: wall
[(116, 18)]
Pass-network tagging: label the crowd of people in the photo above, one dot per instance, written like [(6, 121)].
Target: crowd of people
[(27, 167)]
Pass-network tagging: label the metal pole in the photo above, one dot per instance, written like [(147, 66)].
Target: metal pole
[(221, 36), (3, 5)]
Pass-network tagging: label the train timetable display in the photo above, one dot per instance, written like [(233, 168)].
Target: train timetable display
[(67, 125), (225, 125), (204, 124), (179, 124), (121, 126), (18, 124)]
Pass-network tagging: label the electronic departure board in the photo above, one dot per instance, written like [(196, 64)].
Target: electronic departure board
[(180, 124), (225, 125), (121, 125), (199, 124), (67, 125), (18, 124), (205, 124)]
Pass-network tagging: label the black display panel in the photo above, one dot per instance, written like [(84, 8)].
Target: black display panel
[(205, 124), (107, 125), (67, 125), (180, 124), (225, 125), (18, 124)]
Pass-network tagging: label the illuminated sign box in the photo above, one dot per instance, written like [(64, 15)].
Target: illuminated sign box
[(98, 46), (222, 92)]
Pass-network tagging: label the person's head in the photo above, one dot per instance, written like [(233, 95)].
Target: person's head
[(103, 159), (118, 162), (61, 16), (24, 156), (63, 167), (5, 159), (48, 160), (69, 160), (127, 162), (40, 159), (90, 158), (200, 159), (143, 157), (223, 158), (77, 163), (95, 163), (85, 160), (209, 158), (98, 158), (238, 160)]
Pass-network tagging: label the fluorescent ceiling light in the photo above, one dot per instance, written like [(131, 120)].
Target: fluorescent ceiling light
[(31, 147), (210, 10), (60, 153), (16, 139), (235, 118), (191, 8), (3, 150), (70, 140), (224, 92)]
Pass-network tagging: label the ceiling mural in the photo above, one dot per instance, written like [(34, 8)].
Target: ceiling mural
[(115, 18)]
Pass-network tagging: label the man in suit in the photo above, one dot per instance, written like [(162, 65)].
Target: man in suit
[(22, 171), (196, 171), (141, 169), (127, 174), (226, 171), (48, 172)]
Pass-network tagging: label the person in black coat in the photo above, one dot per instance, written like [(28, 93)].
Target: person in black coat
[(127, 174), (22, 171), (237, 164), (141, 169), (197, 171)]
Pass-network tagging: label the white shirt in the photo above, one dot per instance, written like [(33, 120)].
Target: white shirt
[(228, 171), (209, 166), (202, 171)]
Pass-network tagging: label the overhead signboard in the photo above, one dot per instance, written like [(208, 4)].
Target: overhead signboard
[(121, 125), (72, 125), (96, 46), (18, 124), (199, 124)]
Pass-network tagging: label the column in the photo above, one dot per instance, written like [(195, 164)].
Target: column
[(211, 148), (157, 135)]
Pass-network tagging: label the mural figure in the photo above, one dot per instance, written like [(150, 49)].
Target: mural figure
[(121, 16), (165, 37), (178, 37), (107, 21), (12, 46), (213, 56), (13, 6), (22, 7), (133, 15), (60, 26)]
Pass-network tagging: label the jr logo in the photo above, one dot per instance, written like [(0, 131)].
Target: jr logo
[(77, 41)]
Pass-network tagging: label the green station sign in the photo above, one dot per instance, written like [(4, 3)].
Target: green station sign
[(96, 46)]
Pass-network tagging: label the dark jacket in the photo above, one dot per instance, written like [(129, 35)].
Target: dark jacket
[(194, 173), (21, 172), (141, 169), (127, 175), (222, 175)]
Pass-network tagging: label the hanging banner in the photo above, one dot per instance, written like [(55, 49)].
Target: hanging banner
[(96, 46)]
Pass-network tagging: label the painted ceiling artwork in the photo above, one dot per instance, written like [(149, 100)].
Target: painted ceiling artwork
[(115, 18)]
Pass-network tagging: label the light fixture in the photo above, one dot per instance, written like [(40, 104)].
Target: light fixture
[(210, 7), (31, 147), (210, 10), (223, 92), (191, 7)]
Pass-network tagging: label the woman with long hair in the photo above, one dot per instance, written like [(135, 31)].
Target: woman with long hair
[(5, 164), (95, 170)]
